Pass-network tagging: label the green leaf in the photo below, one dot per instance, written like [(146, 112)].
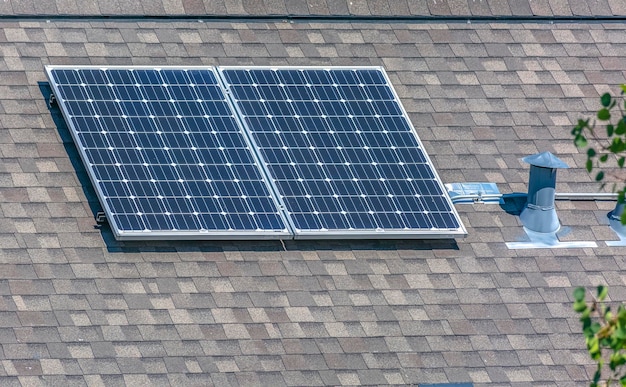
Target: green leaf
[(579, 294), (620, 333), (586, 320), (585, 315), (621, 127), (580, 306), (582, 124), (602, 292), (623, 87), (591, 152), (622, 218), (620, 161), (595, 327), (613, 361), (609, 130), (617, 359), (605, 99), (600, 176), (593, 345), (617, 145), (604, 114), (580, 141), (589, 165), (604, 158)]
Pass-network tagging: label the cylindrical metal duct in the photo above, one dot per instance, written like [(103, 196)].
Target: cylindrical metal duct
[(539, 214)]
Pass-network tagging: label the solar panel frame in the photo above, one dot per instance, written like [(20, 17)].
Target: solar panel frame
[(200, 234), (430, 233)]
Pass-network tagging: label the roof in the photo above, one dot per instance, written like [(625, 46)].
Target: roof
[(437, 8), (80, 308)]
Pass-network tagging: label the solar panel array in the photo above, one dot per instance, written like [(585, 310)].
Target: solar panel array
[(252, 153)]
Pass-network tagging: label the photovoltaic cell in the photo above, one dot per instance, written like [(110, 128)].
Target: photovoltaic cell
[(166, 154), (341, 152)]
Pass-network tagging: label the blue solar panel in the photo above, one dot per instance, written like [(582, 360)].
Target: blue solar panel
[(166, 154), (341, 152)]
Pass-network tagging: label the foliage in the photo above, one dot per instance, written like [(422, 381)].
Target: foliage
[(603, 151), (603, 330)]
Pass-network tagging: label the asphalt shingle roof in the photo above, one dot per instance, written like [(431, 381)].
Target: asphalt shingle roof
[(437, 8), (79, 308)]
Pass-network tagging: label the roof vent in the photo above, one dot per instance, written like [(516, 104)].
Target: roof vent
[(539, 214)]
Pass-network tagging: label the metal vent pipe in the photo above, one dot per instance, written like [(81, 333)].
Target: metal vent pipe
[(539, 214)]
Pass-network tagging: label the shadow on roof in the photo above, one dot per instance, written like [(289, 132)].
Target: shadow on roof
[(165, 246), (513, 203), (115, 246), (70, 149)]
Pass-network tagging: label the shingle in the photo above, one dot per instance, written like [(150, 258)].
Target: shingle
[(439, 8), (358, 7), (580, 8), (296, 7), (24, 7), (599, 7), (417, 7), (298, 378), (482, 8), (541, 8), (194, 7), (499, 7), (520, 7), (560, 7)]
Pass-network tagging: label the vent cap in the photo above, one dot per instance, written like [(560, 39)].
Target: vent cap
[(545, 160)]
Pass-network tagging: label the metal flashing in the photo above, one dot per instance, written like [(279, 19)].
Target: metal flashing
[(541, 240), (464, 193)]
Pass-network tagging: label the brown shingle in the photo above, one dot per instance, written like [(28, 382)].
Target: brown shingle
[(481, 97)]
